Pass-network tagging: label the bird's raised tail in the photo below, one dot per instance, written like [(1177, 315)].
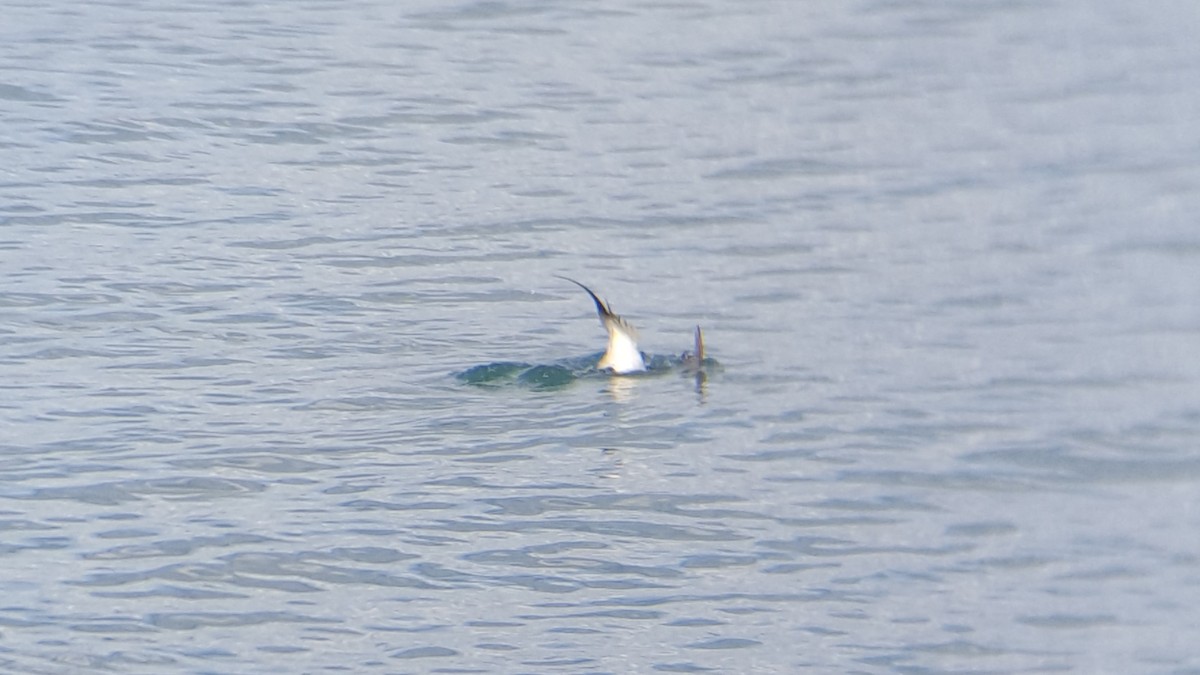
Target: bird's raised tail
[(694, 360), (622, 354)]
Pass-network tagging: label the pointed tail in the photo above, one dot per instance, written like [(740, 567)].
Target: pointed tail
[(694, 360)]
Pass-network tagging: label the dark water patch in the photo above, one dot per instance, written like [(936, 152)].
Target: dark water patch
[(560, 374), (10, 92), (194, 620), (1060, 465), (636, 529), (725, 643), (514, 372), (1075, 621), (682, 668), (981, 529), (424, 653), (175, 547), (180, 488), (546, 377)]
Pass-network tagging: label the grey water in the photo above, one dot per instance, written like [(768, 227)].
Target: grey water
[(946, 255)]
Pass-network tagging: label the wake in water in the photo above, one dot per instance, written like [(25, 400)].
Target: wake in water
[(563, 372)]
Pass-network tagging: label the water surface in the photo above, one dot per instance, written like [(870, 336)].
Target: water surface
[(945, 253)]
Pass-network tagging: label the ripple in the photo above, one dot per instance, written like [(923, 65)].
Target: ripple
[(198, 620), (120, 492), (725, 643), (424, 653)]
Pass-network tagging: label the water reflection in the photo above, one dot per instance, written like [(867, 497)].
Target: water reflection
[(621, 388)]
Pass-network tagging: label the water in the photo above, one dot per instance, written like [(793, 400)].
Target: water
[(945, 253)]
